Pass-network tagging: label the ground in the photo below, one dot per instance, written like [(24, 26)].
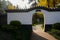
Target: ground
[(37, 34)]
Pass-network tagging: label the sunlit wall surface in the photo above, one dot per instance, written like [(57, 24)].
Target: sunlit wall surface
[(26, 18)]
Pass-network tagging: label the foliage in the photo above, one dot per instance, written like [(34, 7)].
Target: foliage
[(55, 33), (38, 18), (1, 8), (48, 3), (23, 33), (56, 26), (42, 3), (15, 23), (8, 27), (11, 7)]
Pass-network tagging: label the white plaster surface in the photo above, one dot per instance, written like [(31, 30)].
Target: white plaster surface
[(26, 17)]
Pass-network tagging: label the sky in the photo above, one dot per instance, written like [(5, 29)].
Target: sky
[(22, 4)]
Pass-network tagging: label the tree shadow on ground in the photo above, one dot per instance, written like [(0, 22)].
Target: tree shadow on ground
[(37, 37)]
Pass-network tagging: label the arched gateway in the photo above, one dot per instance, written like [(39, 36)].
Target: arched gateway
[(38, 21)]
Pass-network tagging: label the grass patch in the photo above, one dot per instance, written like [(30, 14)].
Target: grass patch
[(55, 33)]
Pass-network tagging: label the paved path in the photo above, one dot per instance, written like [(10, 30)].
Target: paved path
[(38, 28), (40, 35)]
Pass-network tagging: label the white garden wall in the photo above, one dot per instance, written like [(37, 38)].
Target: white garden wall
[(26, 17), (51, 17)]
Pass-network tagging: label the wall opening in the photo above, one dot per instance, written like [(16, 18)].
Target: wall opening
[(38, 21)]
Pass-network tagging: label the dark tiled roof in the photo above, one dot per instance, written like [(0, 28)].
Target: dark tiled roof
[(35, 8)]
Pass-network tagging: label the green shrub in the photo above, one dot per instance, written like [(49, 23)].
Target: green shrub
[(55, 33), (56, 26), (15, 23), (24, 33), (8, 28)]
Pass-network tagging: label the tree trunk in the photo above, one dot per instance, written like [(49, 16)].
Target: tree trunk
[(54, 3), (48, 3)]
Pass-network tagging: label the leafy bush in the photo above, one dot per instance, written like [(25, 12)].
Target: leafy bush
[(55, 33), (15, 23), (24, 33), (56, 26), (8, 28)]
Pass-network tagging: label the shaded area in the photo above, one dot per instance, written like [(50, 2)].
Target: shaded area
[(6, 36), (37, 37), (38, 18), (48, 27), (55, 30), (22, 33), (3, 18)]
